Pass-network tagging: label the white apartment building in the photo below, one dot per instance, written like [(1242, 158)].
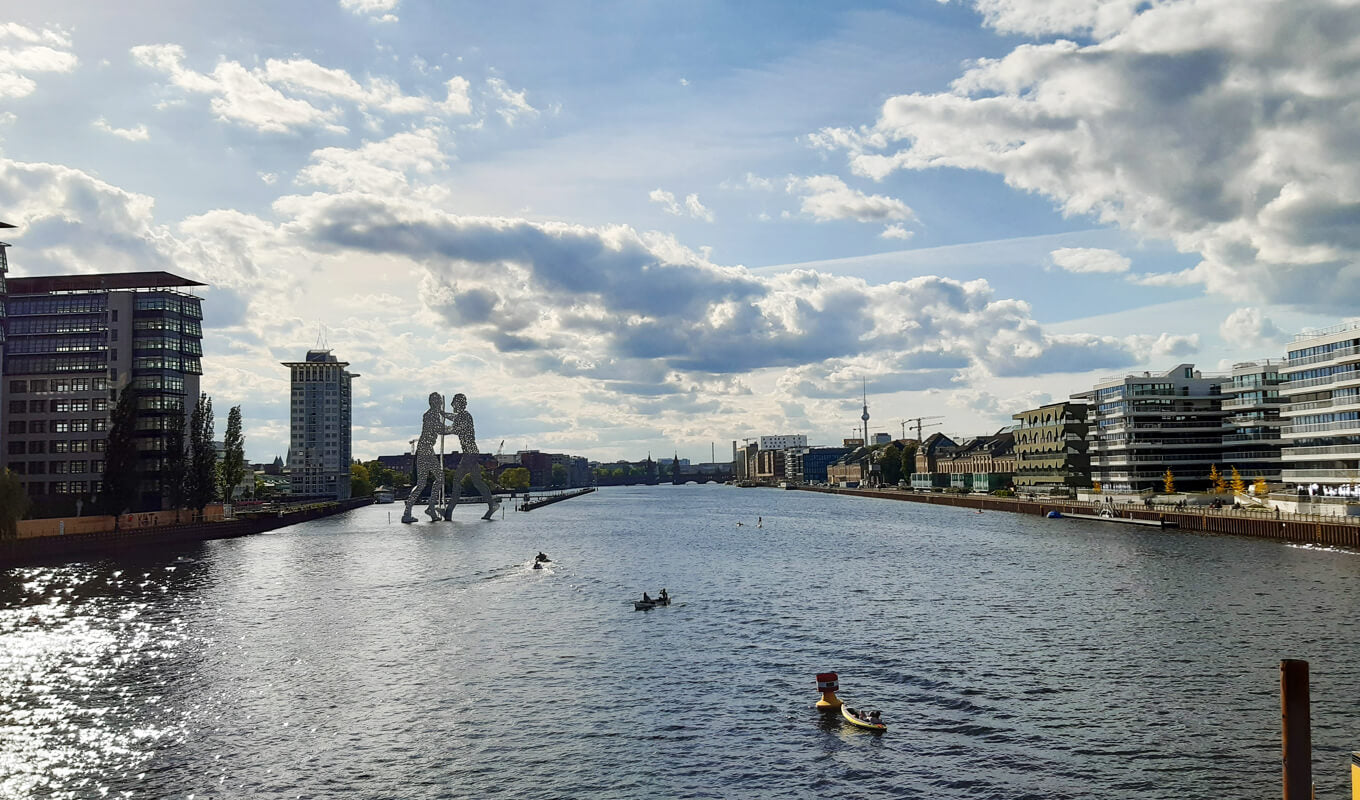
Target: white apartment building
[(320, 444), (1322, 411), (783, 442)]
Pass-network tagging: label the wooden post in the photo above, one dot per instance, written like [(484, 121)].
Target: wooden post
[(1297, 732)]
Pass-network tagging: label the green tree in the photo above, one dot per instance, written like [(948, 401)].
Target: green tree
[(234, 456), (118, 490), (1239, 486), (909, 458), (515, 478), (559, 475), (1169, 482), (174, 476), (360, 485), (13, 504), (890, 462), (200, 482)]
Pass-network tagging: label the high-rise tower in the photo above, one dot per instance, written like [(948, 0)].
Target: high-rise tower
[(865, 415), (320, 444)]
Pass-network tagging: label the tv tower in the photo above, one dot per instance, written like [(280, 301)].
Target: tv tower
[(865, 415)]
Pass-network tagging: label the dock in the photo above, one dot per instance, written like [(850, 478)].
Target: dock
[(530, 505), (1148, 523)]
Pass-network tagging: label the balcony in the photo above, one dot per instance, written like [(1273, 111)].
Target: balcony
[(1340, 352), (1321, 427), (1340, 379), (1307, 475), (1321, 451), (1238, 438), (1251, 455)]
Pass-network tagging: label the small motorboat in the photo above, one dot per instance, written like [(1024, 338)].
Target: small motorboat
[(849, 714), (651, 602)]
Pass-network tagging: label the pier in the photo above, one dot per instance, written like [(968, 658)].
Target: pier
[(530, 505)]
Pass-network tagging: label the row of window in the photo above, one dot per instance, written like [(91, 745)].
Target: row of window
[(1324, 372), (59, 385), (32, 488), (87, 323), (74, 343), (19, 426), (188, 306), (56, 304), (76, 405), (165, 383), (176, 363), (38, 447), (38, 365), (183, 345), (56, 467), (185, 326)]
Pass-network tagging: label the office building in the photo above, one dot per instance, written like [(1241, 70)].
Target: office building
[(1141, 426), (73, 342), (320, 443)]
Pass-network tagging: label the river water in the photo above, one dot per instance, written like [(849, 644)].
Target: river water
[(1012, 657)]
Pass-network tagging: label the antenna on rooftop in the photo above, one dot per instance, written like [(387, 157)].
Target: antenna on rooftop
[(321, 337)]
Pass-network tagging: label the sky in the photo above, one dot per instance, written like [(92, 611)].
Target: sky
[(624, 228)]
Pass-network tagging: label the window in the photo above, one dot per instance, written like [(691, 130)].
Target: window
[(99, 445), (97, 467), (77, 487), (58, 487), (99, 424), (17, 406), (18, 387), (37, 447), (17, 426), (61, 446), (38, 385), (79, 467), (37, 467), (80, 445), (37, 406), (16, 448), (58, 467), (18, 467)]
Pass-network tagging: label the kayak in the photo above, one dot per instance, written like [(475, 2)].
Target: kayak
[(849, 714)]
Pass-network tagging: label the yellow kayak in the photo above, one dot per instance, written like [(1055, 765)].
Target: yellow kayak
[(849, 714)]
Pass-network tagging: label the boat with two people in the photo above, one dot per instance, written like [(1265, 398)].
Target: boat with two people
[(648, 602)]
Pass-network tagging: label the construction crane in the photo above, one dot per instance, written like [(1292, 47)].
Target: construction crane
[(920, 422)]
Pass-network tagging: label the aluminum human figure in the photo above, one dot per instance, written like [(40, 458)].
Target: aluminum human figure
[(460, 425), (429, 469)]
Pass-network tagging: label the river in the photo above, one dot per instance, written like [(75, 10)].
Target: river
[(1012, 657)]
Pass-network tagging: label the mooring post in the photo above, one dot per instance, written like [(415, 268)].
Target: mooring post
[(1297, 730)]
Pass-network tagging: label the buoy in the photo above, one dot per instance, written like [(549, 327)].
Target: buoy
[(827, 684)]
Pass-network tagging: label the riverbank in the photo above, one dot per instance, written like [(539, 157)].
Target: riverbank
[(1203, 520), (62, 547)]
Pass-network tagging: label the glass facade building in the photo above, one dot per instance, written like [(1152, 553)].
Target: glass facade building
[(321, 414)]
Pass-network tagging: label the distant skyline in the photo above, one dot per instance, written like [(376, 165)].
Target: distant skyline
[(622, 227)]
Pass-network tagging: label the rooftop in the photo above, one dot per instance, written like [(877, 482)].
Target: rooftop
[(98, 282)]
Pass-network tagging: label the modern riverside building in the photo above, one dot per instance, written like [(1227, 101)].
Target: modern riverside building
[(73, 342), (1050, 449), (1321, 433), (1252, 401), (783, 442), (809, 464), (319, 449), (1143, 425)]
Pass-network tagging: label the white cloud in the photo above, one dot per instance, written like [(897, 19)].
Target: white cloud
[(295, 94), (691, 207), (1089, 260), (512, 104), (137, 134), (457, 101), (826, 197), (24, 52), (381, 166), (1220, 126), (377, 10), (1250, 328), (896, 231)]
